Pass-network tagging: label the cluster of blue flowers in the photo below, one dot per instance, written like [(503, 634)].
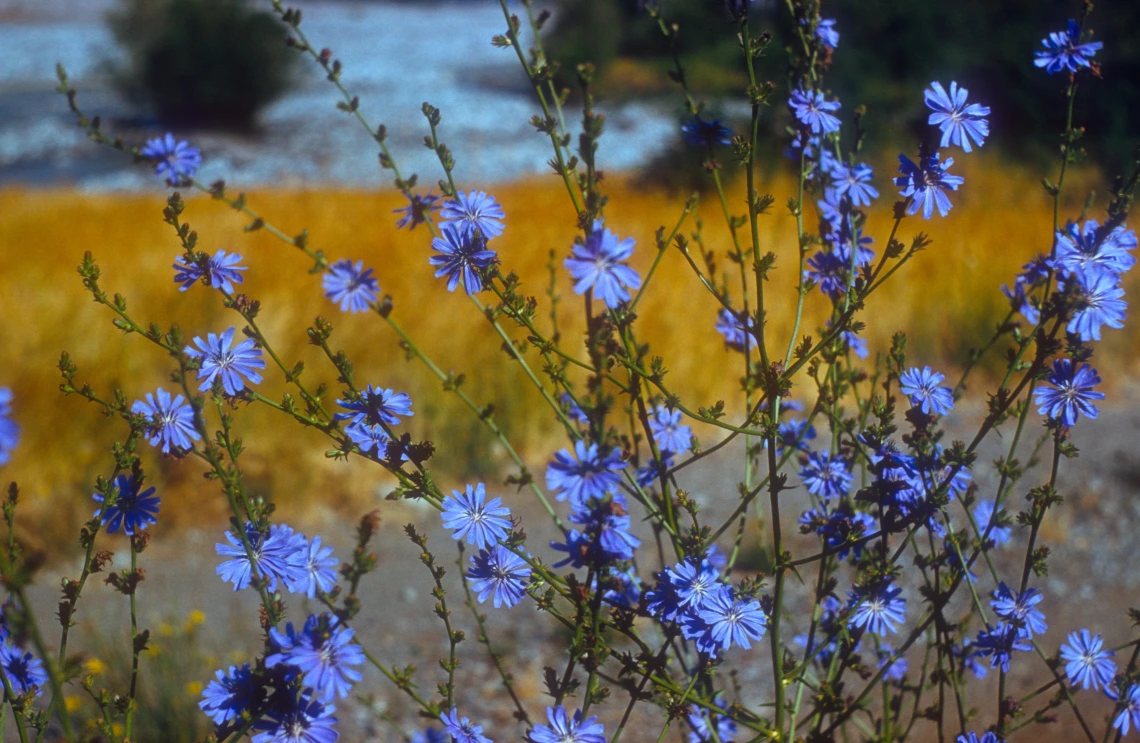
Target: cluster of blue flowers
[(468, 222), (289, 694), (693, 596), (292, 694)]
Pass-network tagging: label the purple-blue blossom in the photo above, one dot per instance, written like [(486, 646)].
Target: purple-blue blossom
[(827, 34), (318, 574), (564, 728), (376, 405), (131, 510), (1020, 609), (922, 387), (323, 652), (25, 672), (877, 609), (985, 519), (473, 210), (176, 161), (700, 133), (303, 720), (1081, 247), (462, 730), (584, 473), (825, 475), (1129, 708), (418, 209), (229, 695), (896, 667), (217, 359), (960, 122), (972, 737), (814, 111), (670, 434), (1064, 50), (219, 271), (699, 718), (1099, 303), (1071, 393), (350, 285), (170, 421), (469, 514), (999, 644), (926, 184), (461, 255), (731, 620), (498, 574), (279, 555), (9, 429), (597, 265), (854, 182), (1087, 661), (729, 325)]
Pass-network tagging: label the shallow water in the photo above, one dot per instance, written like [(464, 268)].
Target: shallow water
[(396, 56)]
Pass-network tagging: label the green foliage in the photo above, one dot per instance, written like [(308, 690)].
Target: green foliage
[(587, 31), (202, 62), (891, 48)]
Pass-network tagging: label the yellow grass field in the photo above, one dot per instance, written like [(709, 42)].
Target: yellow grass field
[(947, 300)]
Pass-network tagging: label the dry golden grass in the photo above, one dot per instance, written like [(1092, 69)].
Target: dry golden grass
[(947, 301)]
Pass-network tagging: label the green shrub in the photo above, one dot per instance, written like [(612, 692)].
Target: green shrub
[(214, 63)]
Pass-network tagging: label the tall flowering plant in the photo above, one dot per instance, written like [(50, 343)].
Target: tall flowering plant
[(876, 632)]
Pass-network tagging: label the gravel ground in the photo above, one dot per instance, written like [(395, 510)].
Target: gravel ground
[(396, 56), (1092, 581)]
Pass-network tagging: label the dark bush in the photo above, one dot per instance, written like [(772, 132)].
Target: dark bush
[(212, 63), (891, 48)]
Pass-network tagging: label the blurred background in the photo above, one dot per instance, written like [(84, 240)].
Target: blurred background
[(217, 73)]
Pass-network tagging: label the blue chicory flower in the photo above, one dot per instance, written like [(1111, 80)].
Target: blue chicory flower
[(417, 211), (566, 729), (597, 265), (132, 510), (1071, 393), (9, 429), (469, 514), (376, 405), (814, 111), (220, 271), (279, 555), (668, 431), (350, 285), (1064, 50), (877, 608), (825, 475), (921, 386), (462, 730), (474, 210), (461, 254), (584, 474), (499, 574), (926, 184), (1099, 303), (229, 695), (1087, 661), (176, 161), (170, 421), (318, 574), (960, 122), (231, 364), (323, 652)]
